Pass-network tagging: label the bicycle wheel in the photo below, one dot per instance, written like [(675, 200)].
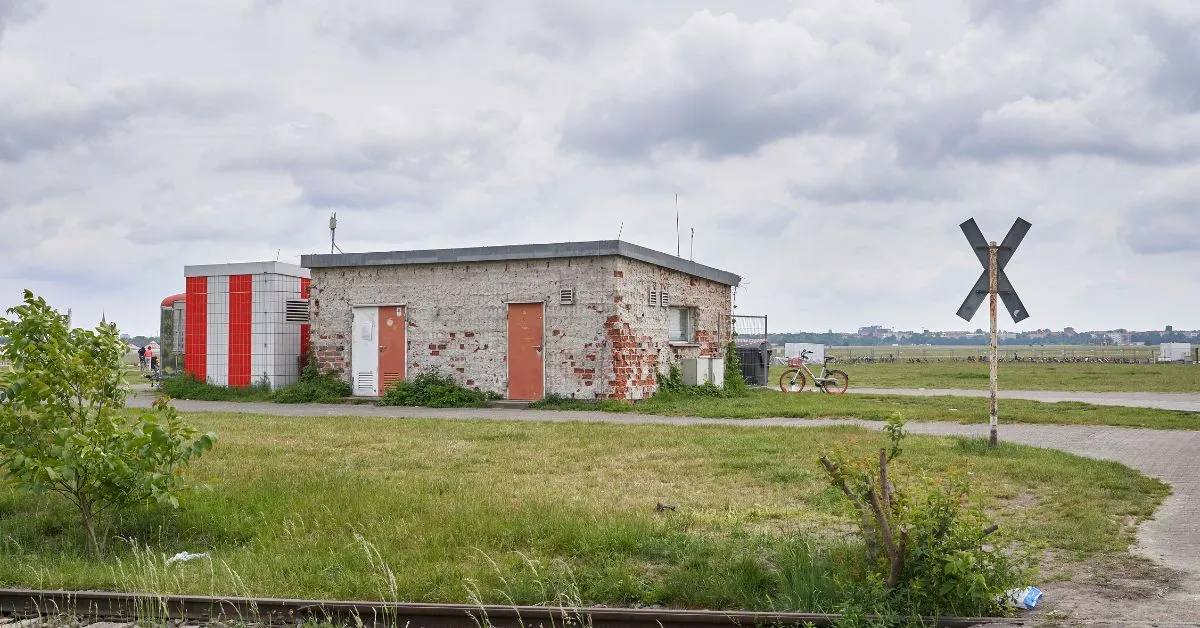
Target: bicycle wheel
[(838, 384), (792, 381)]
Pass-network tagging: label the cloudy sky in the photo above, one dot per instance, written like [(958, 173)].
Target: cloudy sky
[(825, 150)]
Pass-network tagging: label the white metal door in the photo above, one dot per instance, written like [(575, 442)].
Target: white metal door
[(364, 352)]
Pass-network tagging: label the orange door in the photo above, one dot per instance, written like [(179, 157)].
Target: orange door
[(526, 373), (391, 347)]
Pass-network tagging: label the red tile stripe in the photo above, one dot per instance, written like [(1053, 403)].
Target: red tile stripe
[(304, 283), (195, 328), (241, 288)]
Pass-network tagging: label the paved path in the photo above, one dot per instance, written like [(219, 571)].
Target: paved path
[(1172, 538), (1189, 402)]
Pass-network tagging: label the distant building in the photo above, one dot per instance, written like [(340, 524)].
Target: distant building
[(874, 331), (1069, 331)]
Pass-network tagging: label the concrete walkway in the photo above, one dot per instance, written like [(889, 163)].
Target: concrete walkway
[(1171, 539), (1188, 402)]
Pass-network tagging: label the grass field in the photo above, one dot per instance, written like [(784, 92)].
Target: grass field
[(1093, 377), (956, 352), (772, 403), (528, 513)]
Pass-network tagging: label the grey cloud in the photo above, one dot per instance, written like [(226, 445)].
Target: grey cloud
[(1011, 14), (720, 87), (561, 28), (332, 170), (1171, 226), (1177, 78), (24, 131), (402, 24), (14, 12)]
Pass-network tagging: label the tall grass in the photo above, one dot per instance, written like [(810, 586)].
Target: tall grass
[(489, 512)]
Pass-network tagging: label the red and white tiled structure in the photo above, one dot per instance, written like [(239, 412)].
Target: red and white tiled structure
[(237, 331)]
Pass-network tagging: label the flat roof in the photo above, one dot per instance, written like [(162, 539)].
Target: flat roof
[(598, 248), (245, 268)]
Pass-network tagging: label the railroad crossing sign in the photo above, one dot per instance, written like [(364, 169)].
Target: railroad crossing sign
[(992, 283), (1003, 287)]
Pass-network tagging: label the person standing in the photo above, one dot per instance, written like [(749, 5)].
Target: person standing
[(150, 356), (141, 358)]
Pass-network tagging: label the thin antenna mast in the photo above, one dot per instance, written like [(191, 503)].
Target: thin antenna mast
[(333, 234), (620, 230), (692, 246), (676, 225)]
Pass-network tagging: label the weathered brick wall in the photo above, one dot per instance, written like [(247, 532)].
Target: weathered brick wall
[(610, 344), (457, 317), (639, 338)]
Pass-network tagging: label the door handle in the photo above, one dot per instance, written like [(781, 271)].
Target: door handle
[(382, 348)]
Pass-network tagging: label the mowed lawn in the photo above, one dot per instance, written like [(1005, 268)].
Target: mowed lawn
[(533, 512), (1177, 378), (773, 403)]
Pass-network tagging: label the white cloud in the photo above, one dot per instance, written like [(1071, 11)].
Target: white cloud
[(825, 151)]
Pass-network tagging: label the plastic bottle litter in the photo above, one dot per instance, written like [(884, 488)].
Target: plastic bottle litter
[(183, 557), (1025, 598)]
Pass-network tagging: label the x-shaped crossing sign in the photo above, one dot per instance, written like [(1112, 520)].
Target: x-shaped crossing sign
[(1003, 253)]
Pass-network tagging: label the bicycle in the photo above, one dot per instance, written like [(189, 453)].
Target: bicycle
[(833, 382)]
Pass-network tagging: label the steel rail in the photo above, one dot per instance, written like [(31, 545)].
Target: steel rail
[(27, 603)]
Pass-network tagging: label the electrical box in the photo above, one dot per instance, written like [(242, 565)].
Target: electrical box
[(1175, 352)]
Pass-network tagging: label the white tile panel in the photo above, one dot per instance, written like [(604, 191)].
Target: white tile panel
[(218, 330)]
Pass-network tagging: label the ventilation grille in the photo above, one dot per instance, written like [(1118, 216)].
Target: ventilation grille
[(391, 379), (296, 311), (566, 296), (664, 299), (654, 298), (364, 381)]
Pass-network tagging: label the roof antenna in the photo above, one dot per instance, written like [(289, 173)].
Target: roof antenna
[(677, 225), (333, 233), (692, 246), (620, 230)]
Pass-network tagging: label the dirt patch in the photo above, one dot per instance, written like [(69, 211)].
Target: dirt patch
[(1123, 591)]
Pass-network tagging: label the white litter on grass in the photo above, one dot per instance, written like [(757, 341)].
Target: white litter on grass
[(1026, 598), (183, 557), (954, 409)]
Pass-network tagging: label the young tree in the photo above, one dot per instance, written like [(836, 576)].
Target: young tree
[(63, 428)]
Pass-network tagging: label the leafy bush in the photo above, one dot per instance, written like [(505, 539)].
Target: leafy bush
[(554, 401), (313, 386), (735, 385), (932, 553), (187, 386), (672, 384), (433, 389), (62, 429)]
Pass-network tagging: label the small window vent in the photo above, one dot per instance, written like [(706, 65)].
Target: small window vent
[(654, 298), (664, 299), (365, 381), (296, 311), (566, 296)]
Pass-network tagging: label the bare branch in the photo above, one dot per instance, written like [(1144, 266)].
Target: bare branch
[(883, 479)]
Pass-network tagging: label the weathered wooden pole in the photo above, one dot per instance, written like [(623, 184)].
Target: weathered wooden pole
[(994, 341)]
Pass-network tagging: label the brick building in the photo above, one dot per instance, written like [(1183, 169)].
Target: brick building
[(579, 319)]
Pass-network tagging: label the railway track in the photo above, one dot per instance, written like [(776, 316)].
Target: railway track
[(21, 608)]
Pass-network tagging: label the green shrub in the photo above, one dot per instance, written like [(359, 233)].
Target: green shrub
[(672, 384), (62, 429), (735, 385), (313, 387), (187, 386), (555, 401), (931, 553), (433, 389)]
